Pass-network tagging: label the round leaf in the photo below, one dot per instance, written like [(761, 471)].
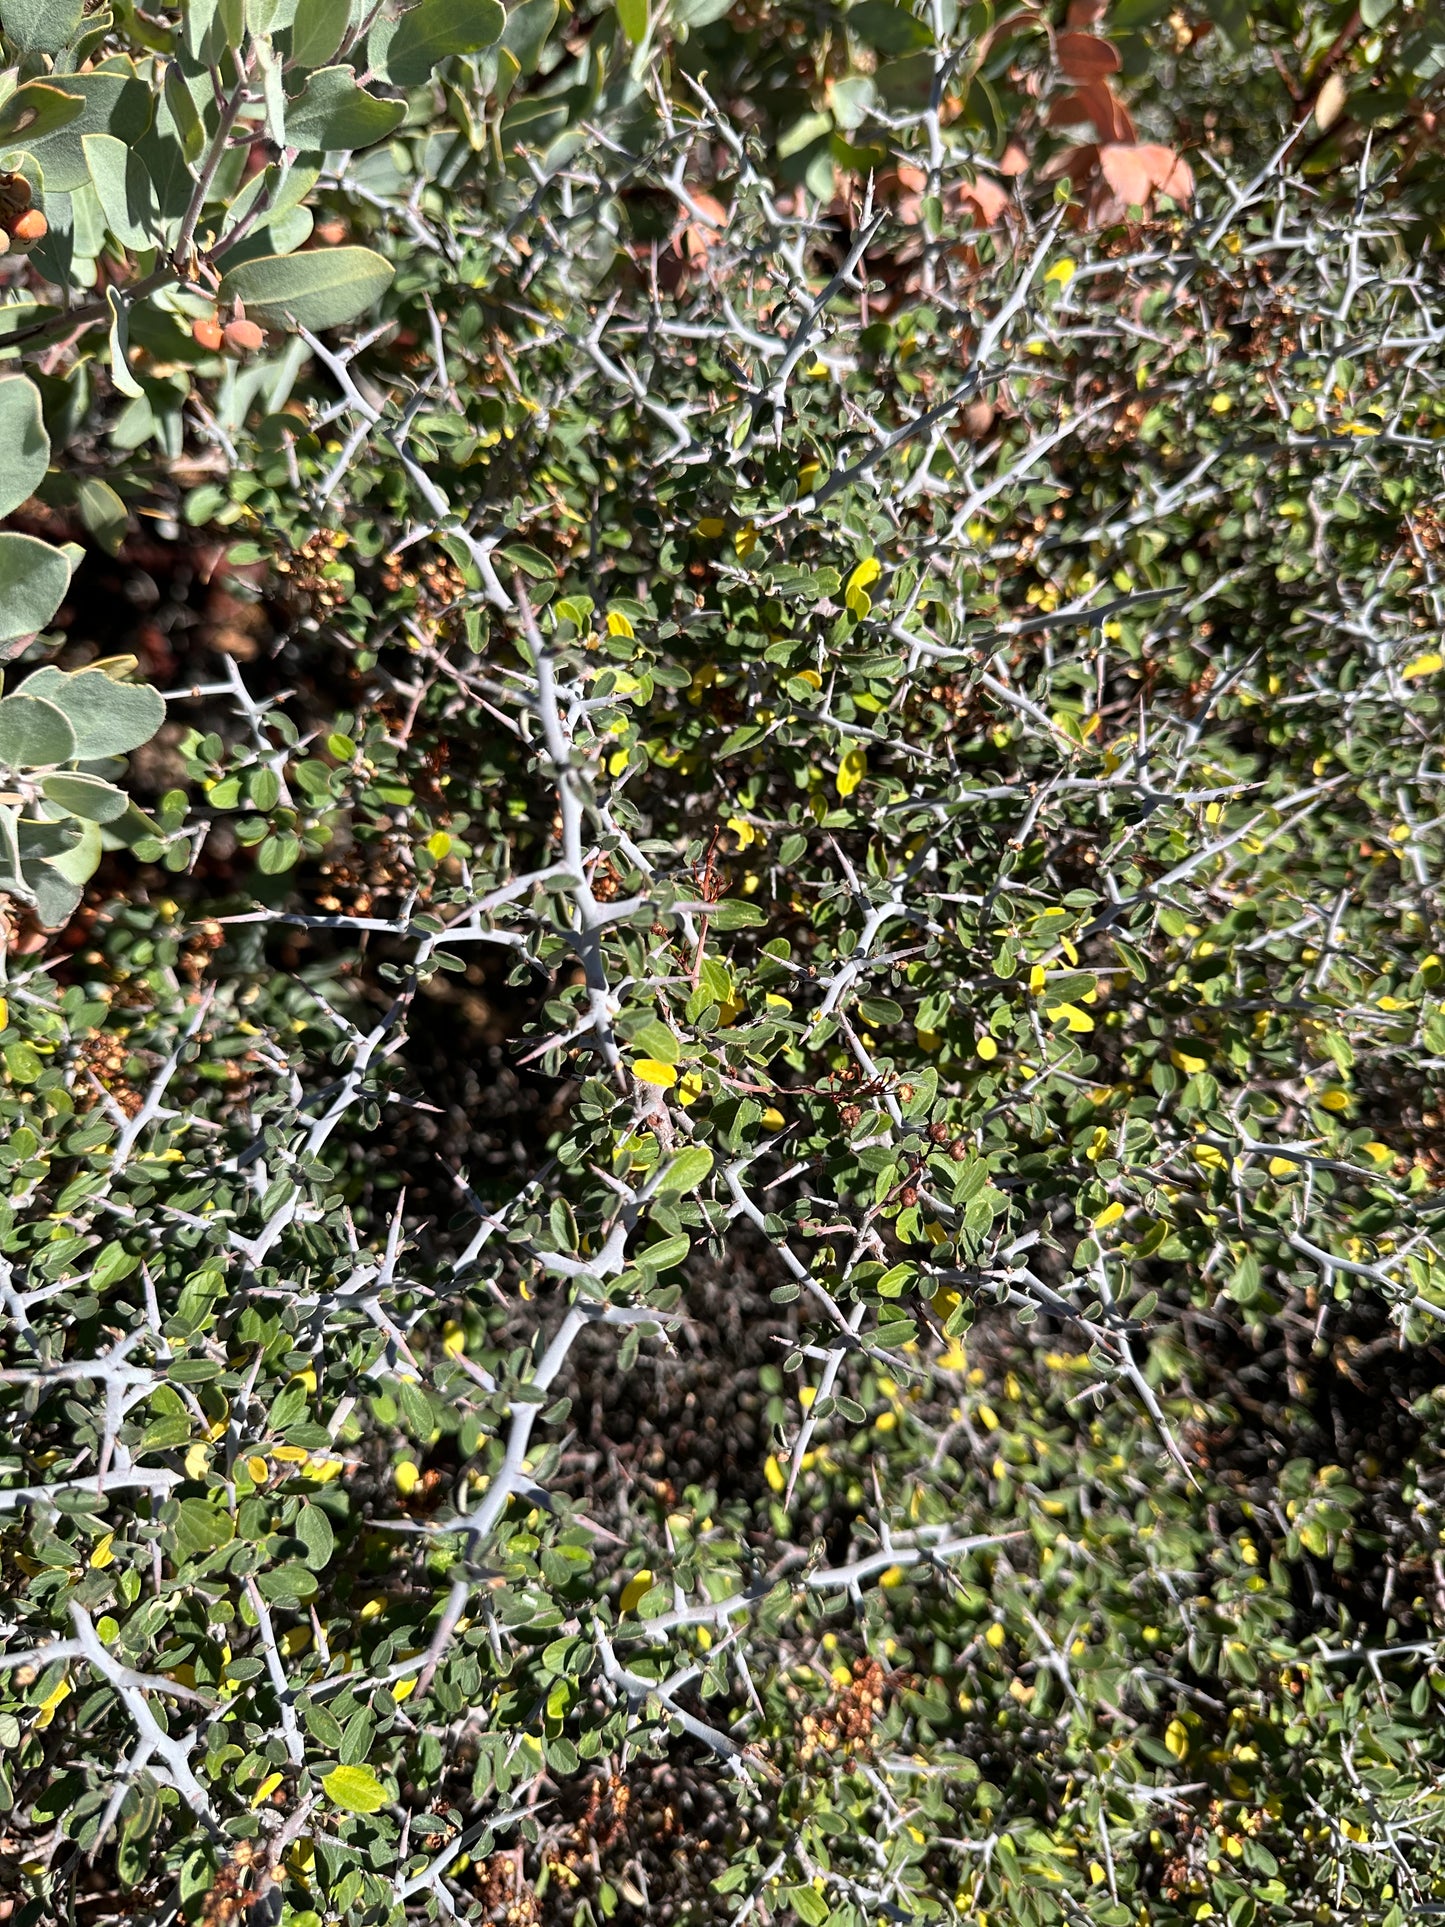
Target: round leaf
[(34, 733), (109, 718), (24, 444), (33, 580)]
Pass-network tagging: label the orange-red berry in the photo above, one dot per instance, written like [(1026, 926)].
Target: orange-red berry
[(207, 333), (243, 337)]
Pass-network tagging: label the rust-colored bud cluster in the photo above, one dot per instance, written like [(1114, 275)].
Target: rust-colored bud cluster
[(21, 224)]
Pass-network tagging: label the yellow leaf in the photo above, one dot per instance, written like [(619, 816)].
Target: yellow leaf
[(866, 573), (438, 845), (267, 1787), (1425, 665), (1176, 1738), (647, 1070), (617, 623), (1335, 1100), (103, 1556), (773, 1472), (772, 1119), (1062, 272), (355, 1789), (1283, 1168), (639, 1584), (745, 541), (892, 1577), (987, 1049), (403, 1688), (1076, 1019), (51, 1704), (995, 1635), (852, 768), (1381, 1153), (1036, 979), (742, 830), (690, 1087), (617, 761), (407, 1477), (454, 1338), (1111, 1214), (1184, 1062), (1211, 1158), (257, 1468), (711, 527)]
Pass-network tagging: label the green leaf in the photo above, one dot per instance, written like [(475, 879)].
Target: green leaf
[(320, 290), (334, 112), (655, 1040), (688, 1170), (318, 30), (632, 18), (436, 30), (313, 1529), (666, 1254), (40, 26), (201, 1527), (34, 733), (355, 1789), (526, 31), (103, 513), (888, 29), (24, 444), (109, 718), (80, 862), (126, 193), (85, 796), (119, 337)]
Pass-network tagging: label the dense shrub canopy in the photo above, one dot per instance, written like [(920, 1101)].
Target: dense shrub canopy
[(722, 1173)]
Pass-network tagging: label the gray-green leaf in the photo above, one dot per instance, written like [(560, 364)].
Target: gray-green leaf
[(85, 796), (436, 30), (318, 30), (317, 290), (33, 733), (109, 718), (333, 112), (33, 580), (125, 190), (24, 444), (40, 26)]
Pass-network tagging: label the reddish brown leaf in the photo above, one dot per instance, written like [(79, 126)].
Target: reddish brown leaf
[(988, 198), (1087, 56)]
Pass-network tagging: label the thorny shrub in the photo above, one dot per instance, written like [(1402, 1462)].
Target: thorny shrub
[(731, 1209)]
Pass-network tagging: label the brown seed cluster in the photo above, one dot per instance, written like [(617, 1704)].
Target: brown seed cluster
[(104, 1056), (438, 583), (508, 1897), (21, 225), (847, 1723), (306, 575)]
